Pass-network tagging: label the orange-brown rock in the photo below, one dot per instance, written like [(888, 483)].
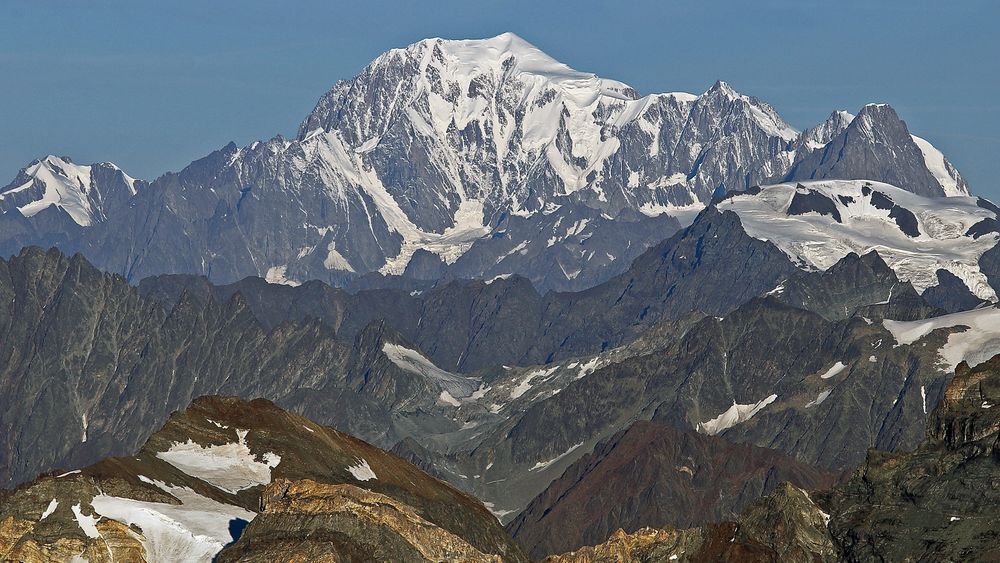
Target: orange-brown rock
[(308, 521)]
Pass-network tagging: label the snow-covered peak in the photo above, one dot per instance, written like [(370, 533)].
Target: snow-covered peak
[(65, 185), (82, 191), (508, 54), (817, 223)]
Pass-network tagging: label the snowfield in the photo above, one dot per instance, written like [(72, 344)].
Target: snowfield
[(231, 467), (977, 342), (817, 241)]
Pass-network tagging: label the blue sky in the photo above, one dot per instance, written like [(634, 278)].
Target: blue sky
[(154, 85)]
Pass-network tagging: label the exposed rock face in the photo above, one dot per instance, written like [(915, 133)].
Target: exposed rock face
[(784, 526), (940, 501), (654, 475), (309, 521), (196, 483), (876, 145), (935, 503), (95, 347)]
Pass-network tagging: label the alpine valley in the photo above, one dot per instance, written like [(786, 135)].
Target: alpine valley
[(485, 307)]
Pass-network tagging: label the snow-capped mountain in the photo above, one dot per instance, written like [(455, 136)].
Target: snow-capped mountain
[(817, 223), (464, 150), (87, 193)]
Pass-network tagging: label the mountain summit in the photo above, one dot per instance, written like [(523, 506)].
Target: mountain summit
[(481, 158)]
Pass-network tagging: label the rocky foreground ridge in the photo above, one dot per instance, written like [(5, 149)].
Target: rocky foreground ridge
[(196, 484), (937, 503)]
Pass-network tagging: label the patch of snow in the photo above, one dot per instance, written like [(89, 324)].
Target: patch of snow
[(588, 368), (525, 384), (49, 509), (88, 523), (940, 168), (362, 471), (445, 398), (335, 260), (923, 397), (543, 465), (498, 512), (194, 530), (819, 399), (977, 343), (75, 471), (455, 385), (231, 467), (834, 370), (276, 274), (734, 415)]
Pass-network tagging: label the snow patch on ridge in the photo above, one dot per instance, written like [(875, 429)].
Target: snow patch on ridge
[(362, 471), (977, 343), (734, 415), (940, 168), (454, 385), (194, 530), (231, 467), (834, 370), (49, 509), (543, 465)]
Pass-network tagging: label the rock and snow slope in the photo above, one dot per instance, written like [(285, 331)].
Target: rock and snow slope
[(87, 193), (816, 223), (198, 482), (447, 145)]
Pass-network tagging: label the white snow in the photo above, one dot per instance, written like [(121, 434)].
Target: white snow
[(525, 384), (819, 399), (49, 509), (194, 530), (276, 274), (231, 467), (923, 397), (939, 168), (66, 185), (83, 422), (834, 370), (815, 241), (734, 415), (88, 523), (446, 399), (498, 512), (589, 367), (979, 341), (542, 465), (455, 386), (335, 260), (75, 471), (362, 471)]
